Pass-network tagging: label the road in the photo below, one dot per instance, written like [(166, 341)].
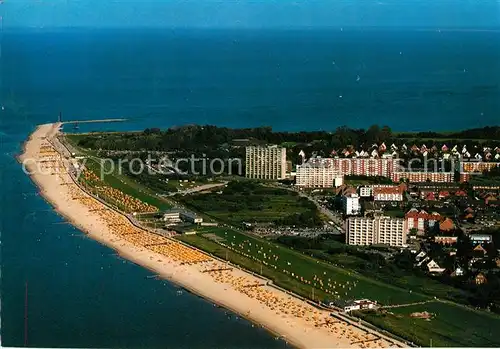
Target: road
[(199, 188)]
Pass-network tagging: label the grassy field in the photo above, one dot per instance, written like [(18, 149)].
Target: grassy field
[(329, 281), (452, 325), (240, 201), (127, 185), (482, 180)]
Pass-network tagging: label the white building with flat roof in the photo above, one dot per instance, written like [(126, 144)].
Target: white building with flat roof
[(265, 162), (366, 191), (351, 204), (379, 230), (191, 217), (318, 173)]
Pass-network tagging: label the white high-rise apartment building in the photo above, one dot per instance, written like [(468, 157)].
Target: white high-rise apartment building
[(265, 162), (378, 230), (318, 173), (351, 204)]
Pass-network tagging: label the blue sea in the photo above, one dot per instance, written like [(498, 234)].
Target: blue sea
[(82, 295)]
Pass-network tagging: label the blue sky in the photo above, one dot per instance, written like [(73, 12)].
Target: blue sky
[(250, 14)]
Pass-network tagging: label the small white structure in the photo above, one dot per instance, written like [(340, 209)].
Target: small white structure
[(351, 204), (191, 217), (360, 304), (172, 217), (209, 224), (339, 180), (365, 192), (434, 267)]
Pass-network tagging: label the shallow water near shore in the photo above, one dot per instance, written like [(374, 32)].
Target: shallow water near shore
[(81, 294)]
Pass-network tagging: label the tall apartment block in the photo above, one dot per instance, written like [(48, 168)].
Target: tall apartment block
[(318, 173), (265, 162), (366, 167), (350, 204), (419, 177), (378, 230)]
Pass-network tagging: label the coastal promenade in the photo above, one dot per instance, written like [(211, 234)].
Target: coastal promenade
[(289, 317)]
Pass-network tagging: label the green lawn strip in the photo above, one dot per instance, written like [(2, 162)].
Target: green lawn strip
[(348, 284), (453, 325), (113, 180), (271, 207), (278, 278), (419, 284)]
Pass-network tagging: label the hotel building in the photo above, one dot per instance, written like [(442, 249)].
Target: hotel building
[(478, 166), (418, 177), (265, 162), (378, 230), (366, 166), (318, 173)]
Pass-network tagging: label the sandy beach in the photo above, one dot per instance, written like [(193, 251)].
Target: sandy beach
[(299, 323)]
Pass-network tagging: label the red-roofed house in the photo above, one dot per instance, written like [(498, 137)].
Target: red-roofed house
[(480, 279), (388, 193), (430, 196), (446, 225), (443, 194), (446, 240), (420, 220)]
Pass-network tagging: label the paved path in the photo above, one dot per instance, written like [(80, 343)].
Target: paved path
[(406, 305)]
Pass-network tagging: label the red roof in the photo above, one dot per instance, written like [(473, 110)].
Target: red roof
[(422, 214), (430, 197), (446, 225), (387, 190)]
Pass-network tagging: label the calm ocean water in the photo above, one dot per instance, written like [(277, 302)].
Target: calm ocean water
[(79, 294)]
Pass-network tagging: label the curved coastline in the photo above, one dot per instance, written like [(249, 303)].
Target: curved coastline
[(296, 331)]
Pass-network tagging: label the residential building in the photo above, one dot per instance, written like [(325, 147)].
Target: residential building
[(366, 166), (378, 230), (433, 267), (318, 173), (446, 225), (366, 191), (480, 279), (478, 166), (458, 272), (351, 204), (388, 193), (446, 240), (265, 162), (421, 220), (464, 177), (480, 238), (417, 177), (479, 251)]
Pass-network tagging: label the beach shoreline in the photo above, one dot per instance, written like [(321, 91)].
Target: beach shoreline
[(221, 289)]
